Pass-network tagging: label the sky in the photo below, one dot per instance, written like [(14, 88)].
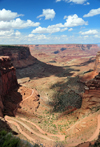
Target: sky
[(49, 21)]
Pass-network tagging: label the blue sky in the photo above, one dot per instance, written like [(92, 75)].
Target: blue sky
[(49, 21)]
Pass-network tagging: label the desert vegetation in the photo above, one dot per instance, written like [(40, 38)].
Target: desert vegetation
[(52, 105)]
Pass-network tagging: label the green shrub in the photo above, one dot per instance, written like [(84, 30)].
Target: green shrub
[(7, 140)]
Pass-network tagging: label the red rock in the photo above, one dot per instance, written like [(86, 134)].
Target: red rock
[(8, 80), (20, 55), (97, 63)]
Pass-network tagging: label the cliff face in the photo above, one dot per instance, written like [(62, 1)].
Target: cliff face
[(91, 96), (19, 55), (8, 80), (68, 46), (97, 63)]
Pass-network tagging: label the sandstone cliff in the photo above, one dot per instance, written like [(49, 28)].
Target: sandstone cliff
[(19, 55), (8, 80), (97, 63), (91, 96), (12, 95), (70, 46)]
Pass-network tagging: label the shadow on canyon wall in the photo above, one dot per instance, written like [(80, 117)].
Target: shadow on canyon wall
[(6, 127), (40, 70), (12, 102), (67, 94), (91, 60)]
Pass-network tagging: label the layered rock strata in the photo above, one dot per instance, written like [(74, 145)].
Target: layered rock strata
[(68, 46), (8, 80), (97, 63), (91, 96), (20, 55)]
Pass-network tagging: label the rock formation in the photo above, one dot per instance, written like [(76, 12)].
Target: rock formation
[(97, 63), (20, 55), (70, 46), (12, 95), (91, 96), (8, 80)]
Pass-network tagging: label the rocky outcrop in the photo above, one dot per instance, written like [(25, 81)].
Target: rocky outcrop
[(97, 63), (13, 96), (20, 55), (91, 96), (8, 80)]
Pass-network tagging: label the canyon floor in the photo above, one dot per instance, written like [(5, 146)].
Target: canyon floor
[(53, 123)]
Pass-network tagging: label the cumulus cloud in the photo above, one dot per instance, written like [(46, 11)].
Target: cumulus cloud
[(92, 12), (62, 30), (70, 29), (31, 35), (74, 20), (6, 15), (6, 33), (71, 21), (90, 32), (9, 21), (9, 33), (17, 33), (49, 29), (74, 1), (17, 24), (48, 14)]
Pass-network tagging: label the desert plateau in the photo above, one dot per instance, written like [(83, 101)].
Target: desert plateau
[(50, 94)]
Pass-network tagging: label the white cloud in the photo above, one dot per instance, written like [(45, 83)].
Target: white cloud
[(17, 33), (17, 24), (9, 33), (86, 36), (48, 14), (74, 20), (77, 1), (71, 21), (96, 36), (87, 3), (70, 29), (90, 32), (6, 33), (62, 30), (49, 29), (65, 17), (6, 15), (58, 0), (74, 1), (92, 12), (31, 35), (9, 21), (47, 39)]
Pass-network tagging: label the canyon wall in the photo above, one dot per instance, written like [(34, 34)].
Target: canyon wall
[(91, 95), (8, 80), (67, 46), (20, 55), (97, 63)]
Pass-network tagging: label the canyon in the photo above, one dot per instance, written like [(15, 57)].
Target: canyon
[(54, 88)]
